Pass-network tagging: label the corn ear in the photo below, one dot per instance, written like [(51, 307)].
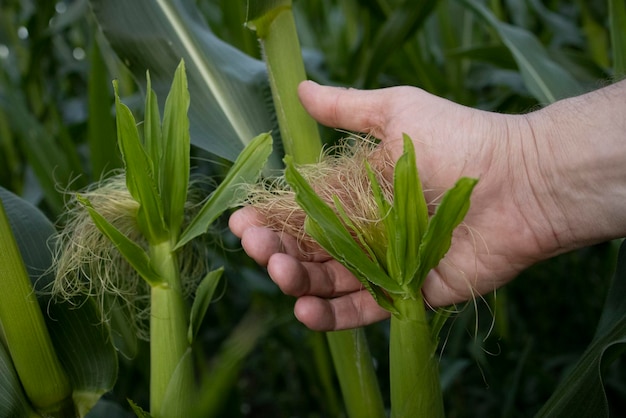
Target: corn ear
[(415, 244), (28, 341)]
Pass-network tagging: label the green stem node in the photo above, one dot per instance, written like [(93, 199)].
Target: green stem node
[(298, 130)]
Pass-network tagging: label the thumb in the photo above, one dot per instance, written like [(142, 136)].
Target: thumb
[(350, 109)]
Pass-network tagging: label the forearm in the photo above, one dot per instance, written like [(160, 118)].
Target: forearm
[(581, 157)]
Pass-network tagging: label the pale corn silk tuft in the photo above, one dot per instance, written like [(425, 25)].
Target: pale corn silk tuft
[(340, 174), (89, 266)]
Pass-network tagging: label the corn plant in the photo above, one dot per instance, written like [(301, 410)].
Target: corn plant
[(391, 257), (497, 55), (446, 46), (157, 183)]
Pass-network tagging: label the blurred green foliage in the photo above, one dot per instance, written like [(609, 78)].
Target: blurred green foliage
[(502, 355)]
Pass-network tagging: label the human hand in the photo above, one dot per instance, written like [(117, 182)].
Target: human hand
[(510, 225)]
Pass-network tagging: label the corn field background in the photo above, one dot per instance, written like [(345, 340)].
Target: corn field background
[(502, 356)]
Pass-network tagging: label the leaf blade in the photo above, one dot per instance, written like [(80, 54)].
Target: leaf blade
[(174, 167), (410, 211), (132, 252), (438, 236), (204, 295), (229, 90), (139, 174), (545, 79), (246, 169)]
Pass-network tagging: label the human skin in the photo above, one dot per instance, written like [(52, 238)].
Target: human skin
[(550, 181)]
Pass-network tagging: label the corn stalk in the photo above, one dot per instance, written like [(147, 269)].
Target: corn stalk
[(275, 27)]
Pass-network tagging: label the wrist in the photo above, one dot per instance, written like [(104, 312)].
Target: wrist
[(579, 174)]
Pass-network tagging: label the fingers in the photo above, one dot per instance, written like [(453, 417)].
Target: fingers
[(324, 279), (259, 242), (354, 110), (329, 296), (353, 310), (244, 218)]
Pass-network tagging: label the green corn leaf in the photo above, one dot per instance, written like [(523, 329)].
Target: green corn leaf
[(174, 172), (260, 14), (152, 134), (230, 192), (581, 393), (24, 331), (103, 152), (403, 21), (438, 235), (13, 401), (86, 350), (139, 174), (384, 207), (617, 19), (410, 211), (544, 78), (386, 213), (366, 271), (217, 382), (230, 95), (204, 295), (181, 385), (138, 411), (341, 211), (328, 230), (132, 252)]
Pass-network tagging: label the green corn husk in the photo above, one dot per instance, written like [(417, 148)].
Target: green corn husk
[(394, 269), (25, 334)]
